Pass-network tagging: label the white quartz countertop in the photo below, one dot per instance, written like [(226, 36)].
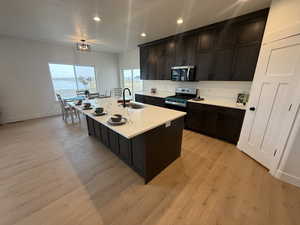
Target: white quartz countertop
[(139, 120), (223, 102), (208, 100)]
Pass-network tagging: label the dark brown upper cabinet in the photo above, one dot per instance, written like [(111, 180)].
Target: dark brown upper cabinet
[(226, 35), (222, 69), (245, 61), (204, 58), (165, 59), (148, 63), (250, 31), (169, 58), (156, 60), (144, 52), (185, 50), (225, 51)]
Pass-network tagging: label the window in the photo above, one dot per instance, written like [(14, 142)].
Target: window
[(67, 79), (131, 79)]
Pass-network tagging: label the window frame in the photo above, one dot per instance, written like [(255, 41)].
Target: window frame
[(131, 71), (75, 74)]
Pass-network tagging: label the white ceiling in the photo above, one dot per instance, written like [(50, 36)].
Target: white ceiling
[(67, 21)]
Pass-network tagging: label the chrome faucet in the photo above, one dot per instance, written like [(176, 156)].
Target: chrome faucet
[(124, 103)]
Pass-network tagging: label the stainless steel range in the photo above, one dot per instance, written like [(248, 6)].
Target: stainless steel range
[(182, 95)]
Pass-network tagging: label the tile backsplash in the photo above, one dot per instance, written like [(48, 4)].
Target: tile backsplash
[(222, 89)]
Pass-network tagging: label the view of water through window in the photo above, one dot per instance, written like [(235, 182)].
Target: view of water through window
[(67, 79)]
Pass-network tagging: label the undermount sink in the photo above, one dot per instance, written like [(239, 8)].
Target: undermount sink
[(136, 105)]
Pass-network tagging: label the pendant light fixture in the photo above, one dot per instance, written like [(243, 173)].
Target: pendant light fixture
[(83, 46)]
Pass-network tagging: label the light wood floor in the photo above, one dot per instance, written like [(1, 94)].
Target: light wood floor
[(54, 174)]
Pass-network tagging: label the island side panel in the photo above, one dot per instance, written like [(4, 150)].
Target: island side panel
[(154, 150), (148, 153), (90, 126)]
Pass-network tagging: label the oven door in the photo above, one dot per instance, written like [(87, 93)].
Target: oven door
[(175, 107), (178, 108)]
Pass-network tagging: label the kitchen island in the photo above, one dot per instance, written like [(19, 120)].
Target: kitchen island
[(148, 142)]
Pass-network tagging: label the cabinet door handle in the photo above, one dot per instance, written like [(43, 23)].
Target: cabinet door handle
[(252, 108)]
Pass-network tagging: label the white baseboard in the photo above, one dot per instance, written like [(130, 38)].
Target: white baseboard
[(28, 117), (291, 179)]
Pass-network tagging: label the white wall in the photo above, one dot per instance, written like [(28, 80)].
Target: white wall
[(129, 59), (26, 89), (223, 89), (283, 17)]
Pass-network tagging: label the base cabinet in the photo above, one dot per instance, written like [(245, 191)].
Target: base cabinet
[(219, 122), (202, 118), (104, 135), (229, 124), (125, 153), (113, 138), (139, 98), (148, 153), (157, 101), (90, 126)]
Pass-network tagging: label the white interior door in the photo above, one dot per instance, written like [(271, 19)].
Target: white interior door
[(275, 84)]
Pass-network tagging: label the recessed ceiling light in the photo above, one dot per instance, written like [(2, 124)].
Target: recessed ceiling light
[(143, 34), (179, 21), (97, 18)]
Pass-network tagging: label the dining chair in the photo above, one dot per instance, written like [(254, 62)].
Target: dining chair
[(67, 110)]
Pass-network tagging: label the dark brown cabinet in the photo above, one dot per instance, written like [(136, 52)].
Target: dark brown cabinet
[(104, 135), (148, 60), (165, 59), (90, 126), (229, 124), (113, 141), (202, 118), (156, 60), (125, 153), (222, 70), (139, 98), (169, 59), (97, 129), (138, 155), (204, 57), (215, 121), (224, 51), (219, 122), (250, 31), (144, 52), (148, 153), (150, 100), (245, 62), (185, 50)]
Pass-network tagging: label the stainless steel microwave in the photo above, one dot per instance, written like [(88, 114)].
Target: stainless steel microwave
[(183, 73)]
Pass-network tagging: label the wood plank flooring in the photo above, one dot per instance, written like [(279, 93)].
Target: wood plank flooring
[(52, 173)]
